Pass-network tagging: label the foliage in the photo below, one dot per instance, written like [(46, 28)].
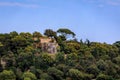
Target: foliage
[(55, 73), (7, 75), (66, 32), (43, 61), (59, 58), (22, 59), (29, 76), (78, 75), (50, 33), (25, 60), (102, 77), (45, 76), (92, 70), (37, 34)]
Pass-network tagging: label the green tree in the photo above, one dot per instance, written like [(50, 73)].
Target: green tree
[(65, 32), (87, 42), (64, 68), (98, 50), (1, 49), (50, 33), (37, 72), (5, 40), (28, 37), (102, 77), (37, 34), (45, 76), (117, 60), (25, 60), (29, 48), (13, 34), (59, 58), (18, 73), (55, 73), (71, 59), (75, 74), (92, 70), (61, 38), (102, 65), (29, 76), (10, 60), (110, 70), (1, 44), (43, 61), (18, 43), (71, 47), (117, 43), (7, 75)]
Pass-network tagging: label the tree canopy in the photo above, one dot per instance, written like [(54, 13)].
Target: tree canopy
[(66, 32), (22, 58)]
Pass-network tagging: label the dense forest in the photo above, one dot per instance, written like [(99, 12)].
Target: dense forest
[(20, 59)]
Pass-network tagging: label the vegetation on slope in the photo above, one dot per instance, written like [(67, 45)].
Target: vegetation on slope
[(75, 60)]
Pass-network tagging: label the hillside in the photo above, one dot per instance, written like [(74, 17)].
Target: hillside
[(23, 58)]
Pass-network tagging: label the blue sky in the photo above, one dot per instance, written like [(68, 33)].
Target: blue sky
[(96, 20)]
